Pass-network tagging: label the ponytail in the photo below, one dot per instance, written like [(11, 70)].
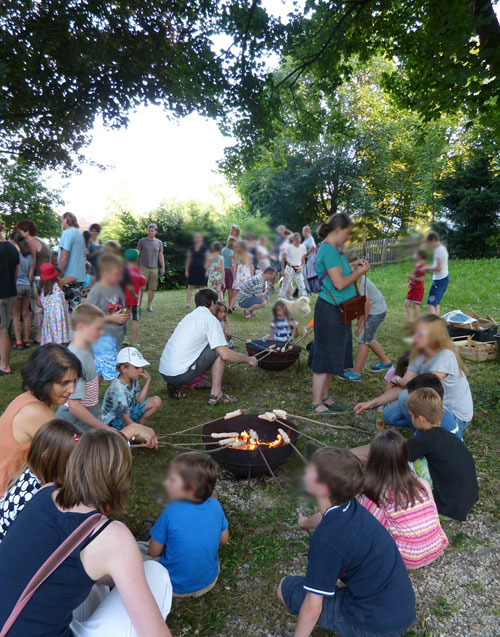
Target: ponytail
[(339, 220)]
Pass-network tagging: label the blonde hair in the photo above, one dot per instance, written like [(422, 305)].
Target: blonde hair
[(112, 247), (439, 338), (98, 473), (426, 402), (86, 313), (242, 254), (109, 261)]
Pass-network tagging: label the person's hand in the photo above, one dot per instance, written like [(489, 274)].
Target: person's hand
[(360, 408), (253, 362), (143, 434), (186, 274), (162, 272), (119, 317), (146, 375), (359, 328), (302, 521), (397, 381), (363, 268)]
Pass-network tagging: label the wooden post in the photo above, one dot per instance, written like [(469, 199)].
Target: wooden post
[(384, 252), (363, 240)]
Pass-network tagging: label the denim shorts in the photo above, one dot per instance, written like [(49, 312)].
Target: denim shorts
[(372, 323), (136, 413), (437, 290), (252, 300)]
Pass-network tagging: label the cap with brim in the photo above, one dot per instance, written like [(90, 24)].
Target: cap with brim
[(48, 272), (131, 254), (132, 356)]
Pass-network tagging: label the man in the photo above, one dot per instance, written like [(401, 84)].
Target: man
[(292, 261), (150, 252), (9, 263), (440, 274), (254, 293), (278, 242), (309, 242), (198, 345), (72, 259)]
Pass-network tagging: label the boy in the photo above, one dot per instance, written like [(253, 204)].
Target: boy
[(440, 274), (451, 465), (349, 544), (125, 403), (416, 285), (107, 295), (187, 535), (138, 283)]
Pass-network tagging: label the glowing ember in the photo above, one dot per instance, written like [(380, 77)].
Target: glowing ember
[(247, 442)]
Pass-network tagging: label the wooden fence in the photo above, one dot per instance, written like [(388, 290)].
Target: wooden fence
[(384, 251)]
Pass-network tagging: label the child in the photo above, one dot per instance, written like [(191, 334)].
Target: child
[(24, 280), (244, 270), (132, 296), (221, 315), (46, 462), (55, 320), (215, 274), (416, 285), (284, 327), (229, 268), (375, 313), (107, 295), (402, 502), (125, 403), (88, 277), (398, 371), (451, 465), (348, 544), (187, 535), (440, 273)]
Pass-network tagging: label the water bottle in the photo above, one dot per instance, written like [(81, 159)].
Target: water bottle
[(380, 421)]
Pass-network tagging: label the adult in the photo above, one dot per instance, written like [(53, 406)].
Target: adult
[(150, 253), (292, 261), (94, 246), (66, 602), (40, 253), (21, 308), (196, 266), (440, 273), (331, 350), (198, 345), (309, 242), (9, 264), (72, 260), (262, 254), (433, 352), (235, 232), (278, 240), (254, 293)]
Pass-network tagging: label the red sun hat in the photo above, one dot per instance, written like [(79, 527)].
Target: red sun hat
[(48, 272)]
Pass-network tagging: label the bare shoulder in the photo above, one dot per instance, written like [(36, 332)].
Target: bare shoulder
[(29, 419)]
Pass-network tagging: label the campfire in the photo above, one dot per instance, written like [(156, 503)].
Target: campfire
[(248, 440)]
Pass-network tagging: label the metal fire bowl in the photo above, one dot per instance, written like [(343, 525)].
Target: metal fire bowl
[(276, 361)]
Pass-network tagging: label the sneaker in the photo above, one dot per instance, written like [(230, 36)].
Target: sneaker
[(350, 375), (149, 309), (380, 367)]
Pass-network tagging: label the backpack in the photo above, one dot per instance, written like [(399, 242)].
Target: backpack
[(313, 283)]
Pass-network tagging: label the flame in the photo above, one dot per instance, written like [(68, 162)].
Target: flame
[(251, 444)]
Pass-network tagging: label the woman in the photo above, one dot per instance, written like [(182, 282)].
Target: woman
[(94, 245), (331, 351), (196, 266), (21, 308), (433, 352), (97, 482), (235, 232), (49, 378)]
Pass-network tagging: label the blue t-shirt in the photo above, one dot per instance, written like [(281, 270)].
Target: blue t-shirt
[(72, 240), (227, 253), (351, 545), (191, 534), (326, 258)]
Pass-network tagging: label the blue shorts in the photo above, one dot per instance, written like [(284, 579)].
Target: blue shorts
[(136, 413), (372, 323), (437, 290), (252, 300), (105, 352)]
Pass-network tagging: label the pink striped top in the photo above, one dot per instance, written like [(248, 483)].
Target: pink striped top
[(416, 529)]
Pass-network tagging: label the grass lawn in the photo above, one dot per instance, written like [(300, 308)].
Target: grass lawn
[(457, 595)]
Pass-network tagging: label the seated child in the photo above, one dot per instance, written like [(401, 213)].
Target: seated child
[(416, 285), (398, 371), (132, 297), (351, 545), (187, 535), (125, 403), (221, 315), (284, 327), (451, 465), (107, 295), (402, 502)]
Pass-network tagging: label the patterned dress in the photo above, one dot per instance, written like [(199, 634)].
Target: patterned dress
[(243, 273), (216, 273), (55, 322), (16, 498)]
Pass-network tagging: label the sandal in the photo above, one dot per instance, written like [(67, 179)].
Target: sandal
[(313, 407), (225, 398), (248, 315), (18, 346), (332, 405), (174, 392), (27, 344)]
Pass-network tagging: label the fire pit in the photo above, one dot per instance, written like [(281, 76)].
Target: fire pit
[(246, 459), (276, 360)]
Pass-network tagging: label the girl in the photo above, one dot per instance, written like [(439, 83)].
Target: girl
[(399, 370), (229, 268), (196, 266), (416, 285), (46, 462), (221, 315), (284, 327), (400, 501), (23, 284), (215, 271), (244, 270), (55, 320)]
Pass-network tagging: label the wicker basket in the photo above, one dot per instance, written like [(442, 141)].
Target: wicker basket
[(475, 351)]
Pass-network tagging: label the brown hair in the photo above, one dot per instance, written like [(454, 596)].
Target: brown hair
[(109, 261), (197, 471), (18, 237), (427, 379), (95, 226), (216, 246), (86, 313), (98, 473), (432, 236), (339, 220), (426, 402), (341, 471), (27, 226), (439, 338), (71, 219), (112, 247), (402, 363), (47, 287), (388, 478), (421, 253), (50, 449)]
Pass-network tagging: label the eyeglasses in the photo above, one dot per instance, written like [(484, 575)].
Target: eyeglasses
[(420, 332)]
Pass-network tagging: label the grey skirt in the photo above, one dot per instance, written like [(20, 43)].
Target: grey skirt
[(331, 351)]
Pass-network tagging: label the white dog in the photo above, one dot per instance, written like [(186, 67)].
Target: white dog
[(301, 304)]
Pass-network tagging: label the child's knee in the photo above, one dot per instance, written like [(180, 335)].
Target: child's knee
[(155, 402), (279, 592)]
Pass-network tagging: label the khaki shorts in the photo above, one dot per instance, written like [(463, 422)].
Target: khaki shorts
[(6, 312), (151, 275), (24, 291)]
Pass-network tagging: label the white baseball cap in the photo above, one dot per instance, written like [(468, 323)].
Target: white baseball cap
[(131, 355)]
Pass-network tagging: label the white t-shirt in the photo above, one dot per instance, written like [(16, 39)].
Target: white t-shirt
[(295, 254), (440, 253), (196, 330)]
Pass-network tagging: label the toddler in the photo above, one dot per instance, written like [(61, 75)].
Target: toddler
[(132, 296), (216, 277), (416, 285)]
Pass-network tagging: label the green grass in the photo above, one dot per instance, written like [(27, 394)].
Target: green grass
[(265, 543)]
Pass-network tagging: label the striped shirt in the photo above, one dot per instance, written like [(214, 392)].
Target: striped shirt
[(282, 329), (415, 529)]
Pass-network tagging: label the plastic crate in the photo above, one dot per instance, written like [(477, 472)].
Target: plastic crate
[(484, 335)]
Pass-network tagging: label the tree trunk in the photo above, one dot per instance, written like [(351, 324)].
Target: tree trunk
[(488, 30)]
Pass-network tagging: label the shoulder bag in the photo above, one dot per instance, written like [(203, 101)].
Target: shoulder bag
[(351, 309)]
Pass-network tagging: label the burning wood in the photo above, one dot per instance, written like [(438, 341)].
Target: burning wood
[(250, 440), (232, 414)]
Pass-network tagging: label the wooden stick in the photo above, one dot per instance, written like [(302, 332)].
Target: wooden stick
[(182, 431), (326, 424), (301, 433), (270, 470), (300, 454)]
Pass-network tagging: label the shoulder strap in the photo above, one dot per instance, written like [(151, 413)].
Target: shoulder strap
[(50, 565)]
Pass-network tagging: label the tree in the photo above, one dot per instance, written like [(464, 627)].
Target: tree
[(23, 195)]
